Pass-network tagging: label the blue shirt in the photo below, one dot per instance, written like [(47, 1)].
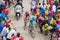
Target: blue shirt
[(42, 10), (48, 22), (4, 16), (1, 28)]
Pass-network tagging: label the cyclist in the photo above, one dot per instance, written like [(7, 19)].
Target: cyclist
[(18, 10), (20, 2), (27, 15), (32, 22)]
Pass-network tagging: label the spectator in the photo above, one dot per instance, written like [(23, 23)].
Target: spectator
[(17, 37), (42, 10), (6, 11), (20, 2), (43, 2), (50, 1), (56, 3), (7, 2), (4, 33), (39, 5), (54, 8), (1, 27), (10, 34)]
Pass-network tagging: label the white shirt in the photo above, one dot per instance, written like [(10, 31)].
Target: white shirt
[(11, 33), (4, 38), (54, 8), (4, 31), (45, 6), (33, 4)]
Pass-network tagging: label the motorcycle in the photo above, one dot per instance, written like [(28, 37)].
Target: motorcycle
[(18, 11)]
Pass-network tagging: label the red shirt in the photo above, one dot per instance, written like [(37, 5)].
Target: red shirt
[(17, 38), (50, 3), (5, 11)]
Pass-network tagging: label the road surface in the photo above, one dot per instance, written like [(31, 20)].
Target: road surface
[(19, 24)]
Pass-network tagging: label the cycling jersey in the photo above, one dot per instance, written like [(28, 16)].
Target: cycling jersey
[(32, 20), (27, 15), (31, 23)]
